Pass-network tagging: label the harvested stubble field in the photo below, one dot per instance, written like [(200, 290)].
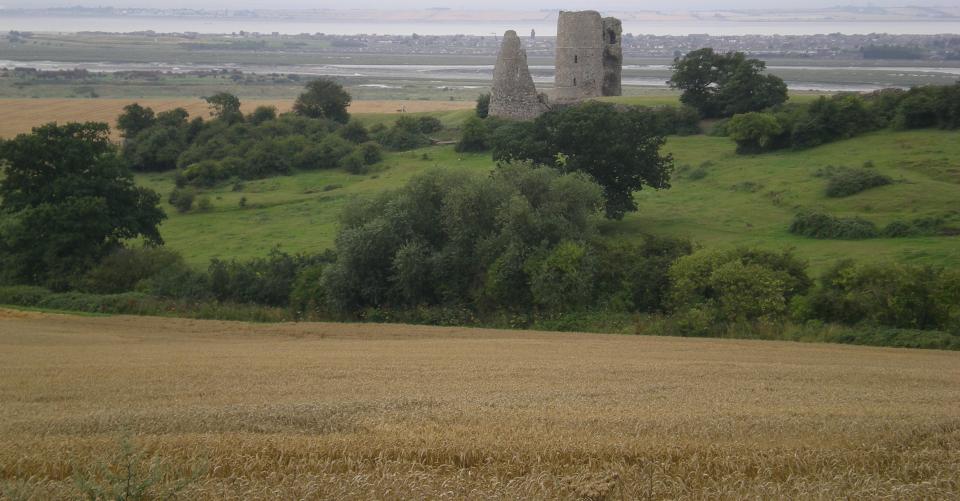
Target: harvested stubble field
[(21, 115), (307, 411)]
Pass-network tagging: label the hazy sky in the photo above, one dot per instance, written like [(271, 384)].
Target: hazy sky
[(488, 4)]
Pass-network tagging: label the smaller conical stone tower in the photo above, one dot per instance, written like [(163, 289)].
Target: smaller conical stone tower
[(514, 95)]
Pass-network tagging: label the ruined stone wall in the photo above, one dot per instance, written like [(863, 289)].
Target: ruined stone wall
[(612, 57), (514, 95), (580, 49)]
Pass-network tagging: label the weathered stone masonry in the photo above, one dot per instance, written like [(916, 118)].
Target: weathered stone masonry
[(514, 95), (589, 64)]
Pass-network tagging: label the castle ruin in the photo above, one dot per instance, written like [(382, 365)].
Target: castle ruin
[(514, 95), (589, 62)]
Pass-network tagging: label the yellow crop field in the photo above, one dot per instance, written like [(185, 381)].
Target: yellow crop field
[(192, 409), (21, 115)]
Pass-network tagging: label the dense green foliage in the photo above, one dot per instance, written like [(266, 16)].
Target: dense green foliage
[(843, 116), (893, 295), (737, 286), (848, 182), (324, 99), (483, 105), (66, 201), (620, 149), (723, 85), (235, 147), (815, 224)]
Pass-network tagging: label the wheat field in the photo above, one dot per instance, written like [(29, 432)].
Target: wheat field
[(21, 115), (191, 409)]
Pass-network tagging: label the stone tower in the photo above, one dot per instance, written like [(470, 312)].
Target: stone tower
[(612, 57), (514, 94), (579, 63), (589, 56)]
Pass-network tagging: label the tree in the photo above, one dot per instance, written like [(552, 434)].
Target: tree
[(135, 118), (475, 136), (722, 85), (324, 99), (453, 238), (753, 132), (262, 114), (68, 201), (620, 149), (225, 106)]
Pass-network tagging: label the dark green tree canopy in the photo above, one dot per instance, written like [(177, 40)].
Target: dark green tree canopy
[(723, 85), (324, 99), (619, 148), (225, 106), (67, 200), (134, 119)]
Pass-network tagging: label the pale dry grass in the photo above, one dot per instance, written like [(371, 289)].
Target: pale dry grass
[(21, 115), (385, 412)]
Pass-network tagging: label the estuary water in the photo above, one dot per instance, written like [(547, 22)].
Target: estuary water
[(477, 76), (292, 26)]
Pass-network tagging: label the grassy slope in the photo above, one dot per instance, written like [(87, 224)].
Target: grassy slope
[(296, 213)]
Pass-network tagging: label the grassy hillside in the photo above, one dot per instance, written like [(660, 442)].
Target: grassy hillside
[(742, 200)]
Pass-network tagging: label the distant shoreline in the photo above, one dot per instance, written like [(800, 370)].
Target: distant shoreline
[(433, 26)]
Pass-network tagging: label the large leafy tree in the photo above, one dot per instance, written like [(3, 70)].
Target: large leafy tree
[(225, 106), (324, 99), (619, 148), (723, 85), (66, 201)]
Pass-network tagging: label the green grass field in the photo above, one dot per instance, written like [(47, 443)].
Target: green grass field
[(742, 200)]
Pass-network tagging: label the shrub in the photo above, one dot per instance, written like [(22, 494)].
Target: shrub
[(266, 281), (354, 132), (474, 137), (125, 268), (483, 105), (405, 134), (355, 163), (824, 226), (563, 278), (739, 285), (182, 199), (852, 181), (262, 114), (371, 152), (204, 204), (888, 294), (753, 132), (429, 125), (307, 298)]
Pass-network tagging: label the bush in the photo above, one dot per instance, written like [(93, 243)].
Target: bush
[(405, 134), (125, 268), (824, 226), (483, 106), (354, 132), (563, 278), (887, 294), (182, 199), (475, 136), (355, 163), (429, 125), (739, 285), (307, 298), (371, 153), (266, 281), (754, 132), (852, 181)]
